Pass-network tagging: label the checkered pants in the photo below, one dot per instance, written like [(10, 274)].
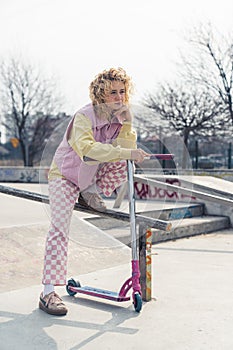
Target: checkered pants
[(62, 196)]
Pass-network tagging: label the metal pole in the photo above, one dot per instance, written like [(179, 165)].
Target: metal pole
[(26, 151), (196, 154), (132, 210), (229, 155), (145, 244)]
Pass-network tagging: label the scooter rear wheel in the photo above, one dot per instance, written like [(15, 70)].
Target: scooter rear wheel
[(137, 301), (72, 283)]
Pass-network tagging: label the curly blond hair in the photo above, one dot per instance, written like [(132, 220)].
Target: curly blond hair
[(101, 85)]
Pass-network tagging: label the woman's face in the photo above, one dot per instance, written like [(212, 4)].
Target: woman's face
[(116, 97)]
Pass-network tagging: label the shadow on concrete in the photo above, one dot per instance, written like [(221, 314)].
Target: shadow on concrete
[(119, 315), (28, 331)]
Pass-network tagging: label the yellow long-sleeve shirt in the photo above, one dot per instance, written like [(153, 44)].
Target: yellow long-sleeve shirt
[(81, 139)]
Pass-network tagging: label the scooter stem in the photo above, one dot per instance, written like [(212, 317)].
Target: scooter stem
[(132, 210), (135, 256), (136, 277)]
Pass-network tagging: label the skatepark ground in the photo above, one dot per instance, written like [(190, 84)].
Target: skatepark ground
[(192, 288)]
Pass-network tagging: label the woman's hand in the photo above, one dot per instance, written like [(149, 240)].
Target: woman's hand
[(138, 155), (123, 113)]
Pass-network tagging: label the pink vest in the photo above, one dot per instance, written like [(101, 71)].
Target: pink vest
[(67, 160)]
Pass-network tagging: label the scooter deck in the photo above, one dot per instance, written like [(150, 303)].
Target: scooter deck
[(100, 293)]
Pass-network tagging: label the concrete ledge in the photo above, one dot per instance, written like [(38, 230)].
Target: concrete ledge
[(173, 212), (191, 227), (183, 228), (24, 174)]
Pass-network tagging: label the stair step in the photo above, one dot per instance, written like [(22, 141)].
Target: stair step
[(191, 227), (182, 228), (187, 211), (168, 214)]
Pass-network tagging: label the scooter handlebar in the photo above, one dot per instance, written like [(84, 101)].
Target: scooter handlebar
[(160, 156)]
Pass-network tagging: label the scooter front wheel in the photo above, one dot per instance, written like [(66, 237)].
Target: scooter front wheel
[(137, 301), (72, 283)]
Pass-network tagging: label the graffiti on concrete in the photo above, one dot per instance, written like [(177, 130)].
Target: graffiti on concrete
[(145, 191), (21, 174), (180, 213), (28, 176)]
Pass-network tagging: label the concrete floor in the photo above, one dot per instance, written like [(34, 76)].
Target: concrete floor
[(192, 289)]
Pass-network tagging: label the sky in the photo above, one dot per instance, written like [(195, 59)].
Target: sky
[(74, 40)]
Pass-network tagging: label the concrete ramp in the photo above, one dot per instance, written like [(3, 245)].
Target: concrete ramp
[(208, 184), (214, 183), (22, 252), (23, 228)]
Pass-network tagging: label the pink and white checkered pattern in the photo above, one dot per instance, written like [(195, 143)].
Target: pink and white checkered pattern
[(110, 176), (62, 196)]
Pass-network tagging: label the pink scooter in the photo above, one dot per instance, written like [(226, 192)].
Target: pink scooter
[(73, 287)]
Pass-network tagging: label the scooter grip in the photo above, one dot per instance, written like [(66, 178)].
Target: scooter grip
[(161, 156)]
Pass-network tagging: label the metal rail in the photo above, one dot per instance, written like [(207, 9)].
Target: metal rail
[(183, 190), (152, 223)]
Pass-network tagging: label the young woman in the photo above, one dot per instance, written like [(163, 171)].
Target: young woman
[(90, 160)]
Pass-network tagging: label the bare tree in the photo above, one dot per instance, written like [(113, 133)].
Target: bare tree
[(211, 64), (45, 126), (147, 121), (28, 100), (188, 110)]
